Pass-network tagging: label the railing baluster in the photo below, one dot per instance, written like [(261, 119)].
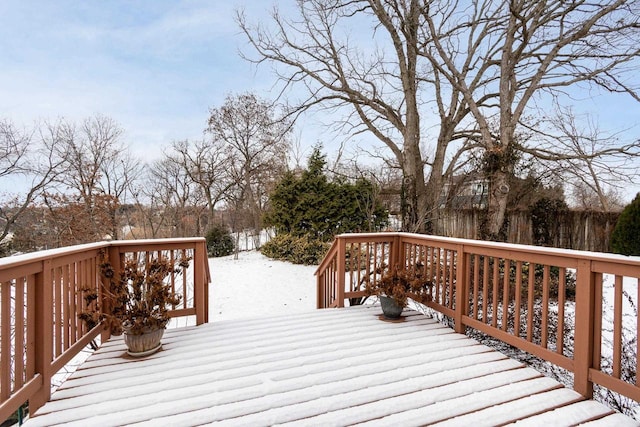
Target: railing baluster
[(66, 311), (617, 326), (452, 278), (81, 282), (5, 341), (19, 341), (495, 283), (358, 260), (505, 295), (518, 299), (30, 368), (446, 296), (530, 299), (562, 279), (432, 264), (57, 298), (476, 285), (597, 320), (439, 281), (545, 307)]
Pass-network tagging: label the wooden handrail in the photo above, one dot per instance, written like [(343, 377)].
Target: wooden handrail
[(41, 297), (520, 294)]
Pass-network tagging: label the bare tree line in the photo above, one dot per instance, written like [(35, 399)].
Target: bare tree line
[(83, 184)]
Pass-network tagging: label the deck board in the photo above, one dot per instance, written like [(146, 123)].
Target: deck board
[(325, 367)]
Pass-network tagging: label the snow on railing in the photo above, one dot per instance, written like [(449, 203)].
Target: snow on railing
[(574, 309), (41, 296)]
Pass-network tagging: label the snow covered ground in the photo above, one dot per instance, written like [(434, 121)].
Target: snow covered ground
[(254, 285)]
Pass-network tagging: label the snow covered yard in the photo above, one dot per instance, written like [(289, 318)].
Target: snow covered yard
[(254, 285)]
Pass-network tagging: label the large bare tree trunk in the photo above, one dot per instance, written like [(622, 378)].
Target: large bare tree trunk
[(497, 207)]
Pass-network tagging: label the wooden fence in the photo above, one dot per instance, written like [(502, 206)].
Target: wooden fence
[(548, 302), (41, 296), (581, 230)]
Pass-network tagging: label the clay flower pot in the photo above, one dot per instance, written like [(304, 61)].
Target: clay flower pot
[(143, 344)]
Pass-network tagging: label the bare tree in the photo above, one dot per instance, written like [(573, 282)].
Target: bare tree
[(257, 139), (119, 177), (206, 163), (593, 163), (90, 148), (27, 158), (175, 202), (377, 87), (521, 51), (98, 164), (583, 196)]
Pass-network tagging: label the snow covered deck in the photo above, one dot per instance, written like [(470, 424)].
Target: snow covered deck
[(323, 367)]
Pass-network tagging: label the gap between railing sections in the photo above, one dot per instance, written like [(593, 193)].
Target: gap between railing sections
[(574, 309), (42, 294)]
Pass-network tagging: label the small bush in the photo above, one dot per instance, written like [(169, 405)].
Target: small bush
[(298, 250), (219, 241), (625, 238)]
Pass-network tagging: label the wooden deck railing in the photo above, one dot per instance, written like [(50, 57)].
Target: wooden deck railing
[(40, 299), (575, 309)]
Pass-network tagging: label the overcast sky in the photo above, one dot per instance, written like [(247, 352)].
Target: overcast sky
[(155, 66)]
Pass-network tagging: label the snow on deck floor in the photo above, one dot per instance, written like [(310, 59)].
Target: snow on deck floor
[(322, 367)]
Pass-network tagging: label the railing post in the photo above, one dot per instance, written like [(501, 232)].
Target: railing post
[(584, 342), (43, 339), (200, 284), (319, 293), (461, 289), (207, 280), (341, 270), (113, 257), (397, 252)]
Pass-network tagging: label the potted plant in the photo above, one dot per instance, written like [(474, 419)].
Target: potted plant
[(396, 286), (138, 300)]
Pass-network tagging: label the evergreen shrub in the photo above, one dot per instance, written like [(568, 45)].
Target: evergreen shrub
[(310, 204), (625, 238), (296, 249), (219, 241), (307, 210)]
